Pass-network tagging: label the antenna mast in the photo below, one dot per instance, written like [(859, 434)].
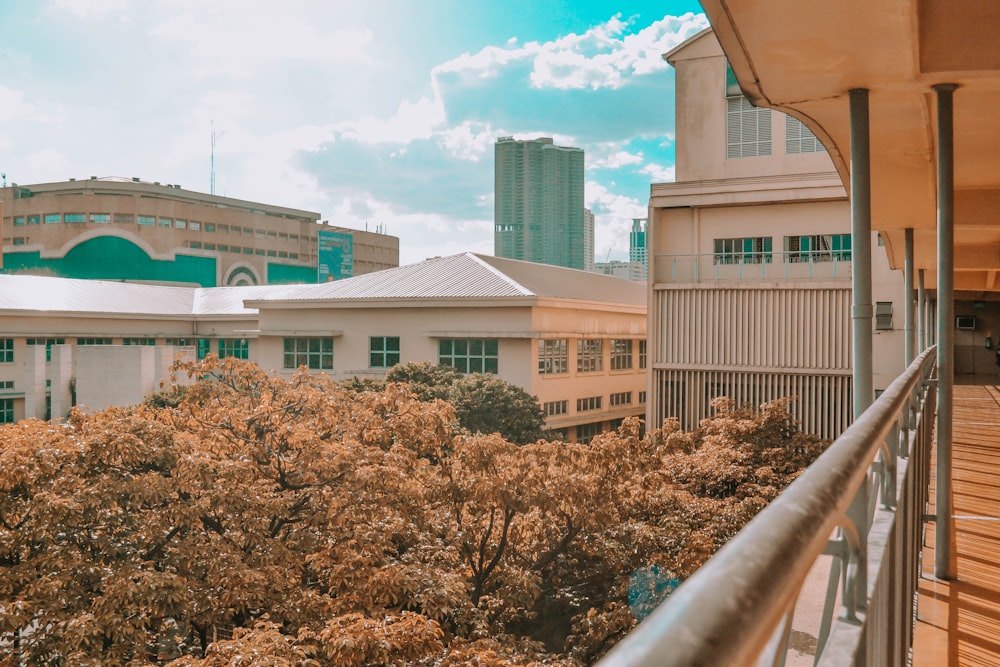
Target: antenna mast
[(212, 188)]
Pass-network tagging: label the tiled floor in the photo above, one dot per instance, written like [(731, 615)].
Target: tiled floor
[(959, 621)]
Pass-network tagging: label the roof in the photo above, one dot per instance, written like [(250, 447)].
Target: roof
[(463, 277), (471, 276)]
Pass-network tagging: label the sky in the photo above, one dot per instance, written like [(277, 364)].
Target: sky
[(377, 114)]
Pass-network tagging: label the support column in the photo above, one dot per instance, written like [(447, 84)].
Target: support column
[(861, 316), (910, 314), (922, 336), (944, 534), (861, 249)]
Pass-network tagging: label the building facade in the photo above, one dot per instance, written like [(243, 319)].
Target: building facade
[(750, 262), (127, 229), (588, 239), (574, 340), (538, 209), (637, 253)]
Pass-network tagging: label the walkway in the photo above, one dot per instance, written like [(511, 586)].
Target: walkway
[(959, 621)]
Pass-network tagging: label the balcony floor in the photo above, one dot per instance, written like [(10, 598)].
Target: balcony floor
[(959, 621)]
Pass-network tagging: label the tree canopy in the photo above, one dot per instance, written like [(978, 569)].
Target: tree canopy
[(267, 521)]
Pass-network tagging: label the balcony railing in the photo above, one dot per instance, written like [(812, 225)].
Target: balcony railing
[(862, 503), (815, 265)]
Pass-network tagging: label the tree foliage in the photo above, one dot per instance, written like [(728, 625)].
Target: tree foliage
[(275, 522)]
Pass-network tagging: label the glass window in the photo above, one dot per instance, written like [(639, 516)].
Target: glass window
[(53, 218), (204, 347), (34, 219), (20, 240), (642, 354), (6, 410), (6, 350), (469, 355), (621, 354), (589, 403), (94, 341), (179, 342), (313, 353), (180, 224), (75, 217), (748, 250), (247, 251), (383, 351), (7, 384), (209, 246), (642, 398), (553, 408), (124, 218), (48, 343), (209, 227), (585, 433), (19, 221), (138, 341), (818, 248), (166, 222), (883, 316), (621, 398), (195, 244), (102, 218), (589, 355), (553, 356), (234, 347), (223, 248), (146, 220)]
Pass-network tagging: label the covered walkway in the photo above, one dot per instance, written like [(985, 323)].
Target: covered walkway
[(959, 621)]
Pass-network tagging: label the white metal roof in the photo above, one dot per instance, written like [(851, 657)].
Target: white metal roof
[(465, 276)]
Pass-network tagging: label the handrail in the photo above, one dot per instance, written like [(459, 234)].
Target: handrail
[(767, 265), (729, 610)]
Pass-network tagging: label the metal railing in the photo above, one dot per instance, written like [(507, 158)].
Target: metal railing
[(868, 491), (809, 265)]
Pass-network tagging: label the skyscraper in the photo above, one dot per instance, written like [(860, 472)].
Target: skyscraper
[(637, 256), (588, 240), (538, 214)]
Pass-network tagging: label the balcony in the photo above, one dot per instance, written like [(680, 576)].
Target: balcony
[(764, 267)]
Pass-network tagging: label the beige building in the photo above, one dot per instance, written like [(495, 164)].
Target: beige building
[(575, 340), (127, 229), (750, 261)]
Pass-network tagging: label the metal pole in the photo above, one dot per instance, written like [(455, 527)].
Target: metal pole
[(910, 314), (944, 559), (861, 248), (922, 337)]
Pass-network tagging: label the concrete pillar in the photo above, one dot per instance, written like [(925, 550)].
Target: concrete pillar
[(944, 534), (922, 337), (861, 249), (910, 314), (34, 382), (61, 374)]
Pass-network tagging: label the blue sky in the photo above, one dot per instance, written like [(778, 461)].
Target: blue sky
[(374, 112)]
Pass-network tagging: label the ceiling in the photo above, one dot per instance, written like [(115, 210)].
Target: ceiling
[(806, 62)]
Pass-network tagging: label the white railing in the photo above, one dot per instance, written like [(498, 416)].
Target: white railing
[(868, 491), (816, 265)]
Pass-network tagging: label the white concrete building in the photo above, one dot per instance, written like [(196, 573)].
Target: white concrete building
[(575, 340), (750, 262)]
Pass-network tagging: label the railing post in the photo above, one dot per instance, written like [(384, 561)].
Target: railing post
[(944, 559)]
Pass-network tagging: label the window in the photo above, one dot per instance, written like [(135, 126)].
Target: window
[(7, 385), (102, 218), (799, 138), (883, 316), (642, 398), (204, 347), (6, 410), (223, 248), (179, 342), (748, 250), (94, 341), (642, 354), (314, 353), (247, 251), (53, 218), (234, 347), (194, 244), (818, 248), (166, 222), (48, 343), (180, 224), (20, 240), (587, 432), (146, 220), (621, 398), (553, 408), (589, 355), (621, 354), (75, 217), (748, 129), (383, 351), (258, 251), (209, 227), (553, 356), (34, 219), (124, 217), (209, 246), (19, 221), (471, 355), (138, 341), (589, 403), (6, 350)]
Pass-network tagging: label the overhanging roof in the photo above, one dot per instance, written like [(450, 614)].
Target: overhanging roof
[(804, 60)]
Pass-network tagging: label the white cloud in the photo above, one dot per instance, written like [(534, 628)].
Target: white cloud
[(613, 214), (48, 162), (469, 141), (606, 156), (85, 9), (413, 120), (659, 173)]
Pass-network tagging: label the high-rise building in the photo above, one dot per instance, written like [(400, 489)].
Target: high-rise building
[(637, 250), (588, 240), (538, 215)]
